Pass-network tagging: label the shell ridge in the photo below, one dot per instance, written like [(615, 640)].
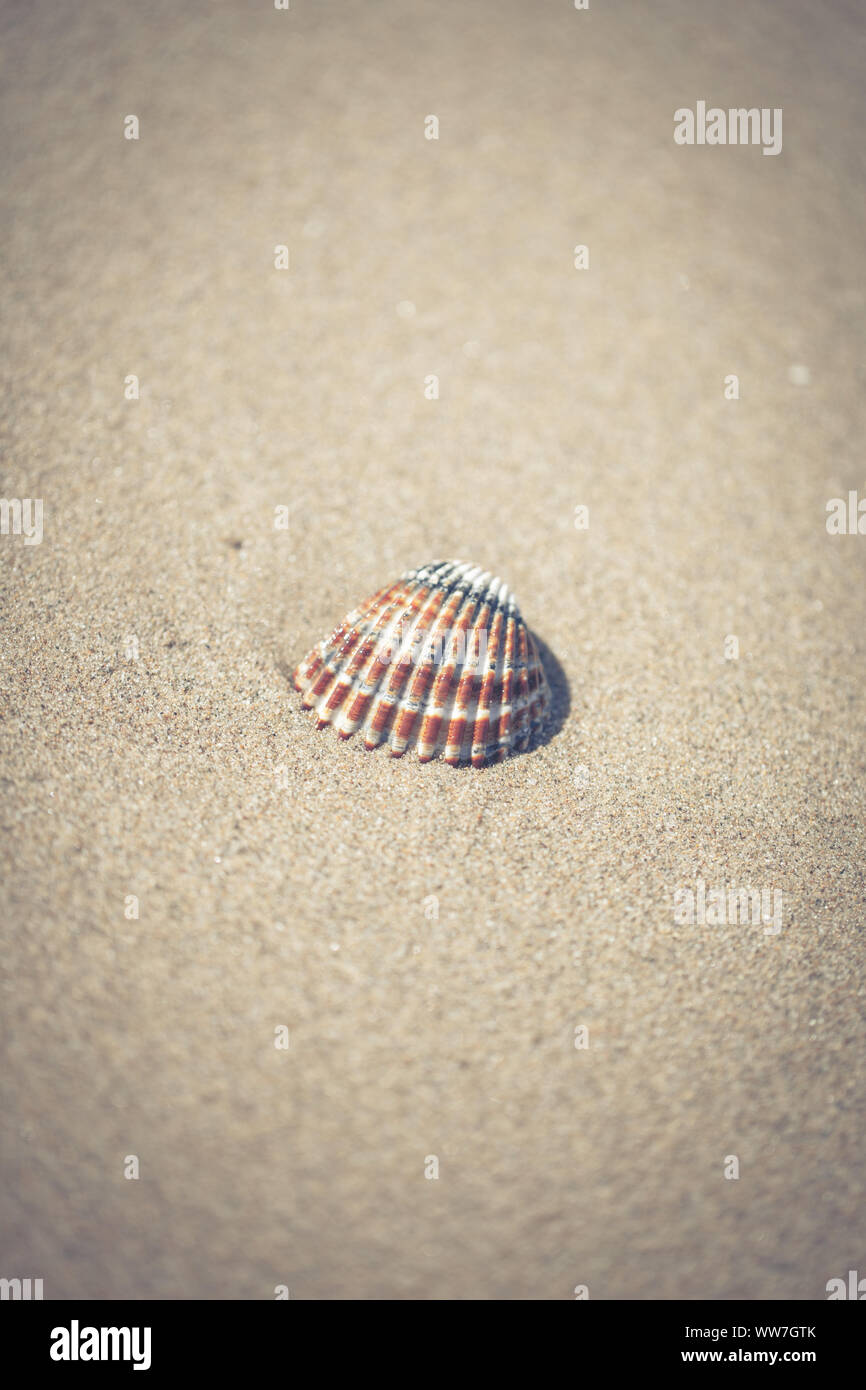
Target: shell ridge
[(443, 694), (461, 722), (336, 650), (461, 729), (388, 703), (403, 730), (485, 707), (381, 660), (361, 649)]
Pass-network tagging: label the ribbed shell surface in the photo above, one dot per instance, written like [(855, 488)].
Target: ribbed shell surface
[(441, 661)]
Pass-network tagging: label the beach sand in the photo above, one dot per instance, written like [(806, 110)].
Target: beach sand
[(153, 748)]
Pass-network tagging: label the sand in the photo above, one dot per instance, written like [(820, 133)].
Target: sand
[(152, 747)]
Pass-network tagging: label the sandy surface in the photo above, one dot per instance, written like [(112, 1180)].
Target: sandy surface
[(297, 898)]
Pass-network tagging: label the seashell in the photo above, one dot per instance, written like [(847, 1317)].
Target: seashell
[(440, 660)]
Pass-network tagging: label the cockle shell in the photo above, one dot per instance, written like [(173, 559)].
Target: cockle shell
[(440, 660)]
